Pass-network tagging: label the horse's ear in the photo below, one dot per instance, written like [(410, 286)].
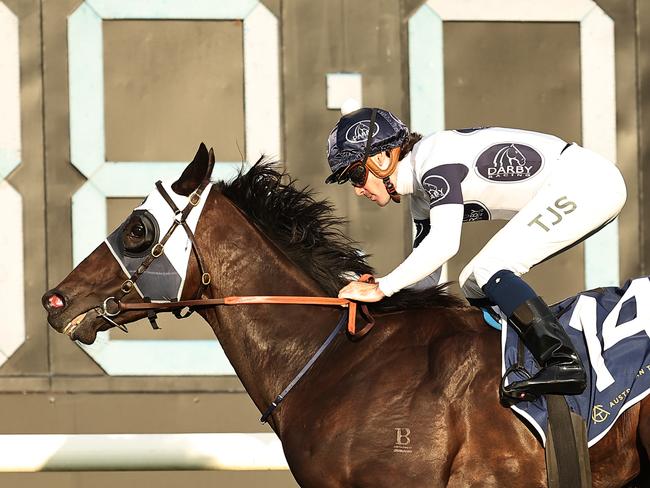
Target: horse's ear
[(199, 169)]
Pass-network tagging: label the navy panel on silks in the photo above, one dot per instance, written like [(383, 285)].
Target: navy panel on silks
[(442, 184), (422, 228), (610, 329)]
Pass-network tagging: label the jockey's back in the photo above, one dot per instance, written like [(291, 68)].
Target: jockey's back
[(504, 167)]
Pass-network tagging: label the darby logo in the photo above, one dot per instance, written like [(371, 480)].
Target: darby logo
[(436, 186), (508, 162), (359, 132), (474, 211)]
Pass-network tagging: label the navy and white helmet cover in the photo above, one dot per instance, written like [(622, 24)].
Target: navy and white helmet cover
[(346, 143), (164, 279)]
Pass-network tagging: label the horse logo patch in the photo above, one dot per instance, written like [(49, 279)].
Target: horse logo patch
[(509, 162), (436, 186), (359, 132), (474, 211)]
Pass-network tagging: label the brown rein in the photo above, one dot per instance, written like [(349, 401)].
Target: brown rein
[(261, 299)]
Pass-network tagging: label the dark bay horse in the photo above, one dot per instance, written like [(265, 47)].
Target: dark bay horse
[(412, 404)]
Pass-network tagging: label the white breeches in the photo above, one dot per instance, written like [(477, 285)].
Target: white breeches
[(583, 192)]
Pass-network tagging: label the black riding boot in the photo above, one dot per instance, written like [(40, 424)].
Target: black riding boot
[(561, 370)]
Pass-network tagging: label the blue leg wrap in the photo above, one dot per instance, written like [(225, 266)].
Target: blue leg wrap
[(508, 291)]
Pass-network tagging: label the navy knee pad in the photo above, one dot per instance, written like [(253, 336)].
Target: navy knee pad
[(508, 291)]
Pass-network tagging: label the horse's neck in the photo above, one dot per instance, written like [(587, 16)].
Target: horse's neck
[(266, 344)]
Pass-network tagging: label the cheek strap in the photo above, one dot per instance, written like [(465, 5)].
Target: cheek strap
[(384, 174), (390, 188), (392, 165)]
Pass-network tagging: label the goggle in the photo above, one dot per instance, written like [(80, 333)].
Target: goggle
[(356, 173)]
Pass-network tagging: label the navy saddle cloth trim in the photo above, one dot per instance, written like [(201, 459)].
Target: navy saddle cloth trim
[(610, 329)]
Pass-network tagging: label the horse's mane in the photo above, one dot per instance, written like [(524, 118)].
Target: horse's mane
[(309, 233)]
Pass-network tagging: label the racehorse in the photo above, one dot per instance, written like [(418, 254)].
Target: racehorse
[(414, 403)]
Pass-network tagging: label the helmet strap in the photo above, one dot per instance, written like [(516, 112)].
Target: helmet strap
[(392, 165), (390, 188), (371, 129), (385, 174)]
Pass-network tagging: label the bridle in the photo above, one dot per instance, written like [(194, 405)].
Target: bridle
[(112, 306)]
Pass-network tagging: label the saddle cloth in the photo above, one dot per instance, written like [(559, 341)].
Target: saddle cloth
[(610, 328)]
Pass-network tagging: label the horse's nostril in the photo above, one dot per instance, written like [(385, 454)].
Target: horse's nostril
[(55, 301)]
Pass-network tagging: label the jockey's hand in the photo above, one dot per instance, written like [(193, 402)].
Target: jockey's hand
[(361, 292)]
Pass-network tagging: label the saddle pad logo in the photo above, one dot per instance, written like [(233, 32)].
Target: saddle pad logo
[(359, 132), (509, 162), (436, 186), (474, 211)]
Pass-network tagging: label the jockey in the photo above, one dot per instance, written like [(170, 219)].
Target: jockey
[(551, 192)]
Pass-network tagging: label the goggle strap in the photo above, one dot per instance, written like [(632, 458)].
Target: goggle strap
[(371, 130)]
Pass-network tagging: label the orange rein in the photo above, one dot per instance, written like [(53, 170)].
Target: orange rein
[(261, 299)]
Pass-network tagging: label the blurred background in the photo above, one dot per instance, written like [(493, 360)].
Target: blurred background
[(100, 98)]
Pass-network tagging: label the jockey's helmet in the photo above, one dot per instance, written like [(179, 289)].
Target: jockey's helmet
[(348, 141)]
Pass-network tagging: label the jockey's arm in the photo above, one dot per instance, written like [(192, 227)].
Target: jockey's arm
[(440, 245), (442, 183), (422, 227)]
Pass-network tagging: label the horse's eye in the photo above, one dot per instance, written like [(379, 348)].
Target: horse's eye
[(138, 230), (139, 234)]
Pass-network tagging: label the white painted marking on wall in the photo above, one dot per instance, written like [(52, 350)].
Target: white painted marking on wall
[(140, 452), (426, 71), (133, 179), (9, 92), (512, 10), (86, 86), (173, 9), (139, 179), (89, 218), (597, 53), (159, 358), (12, 299), (342, 87), (262, 84), (12, 282)]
